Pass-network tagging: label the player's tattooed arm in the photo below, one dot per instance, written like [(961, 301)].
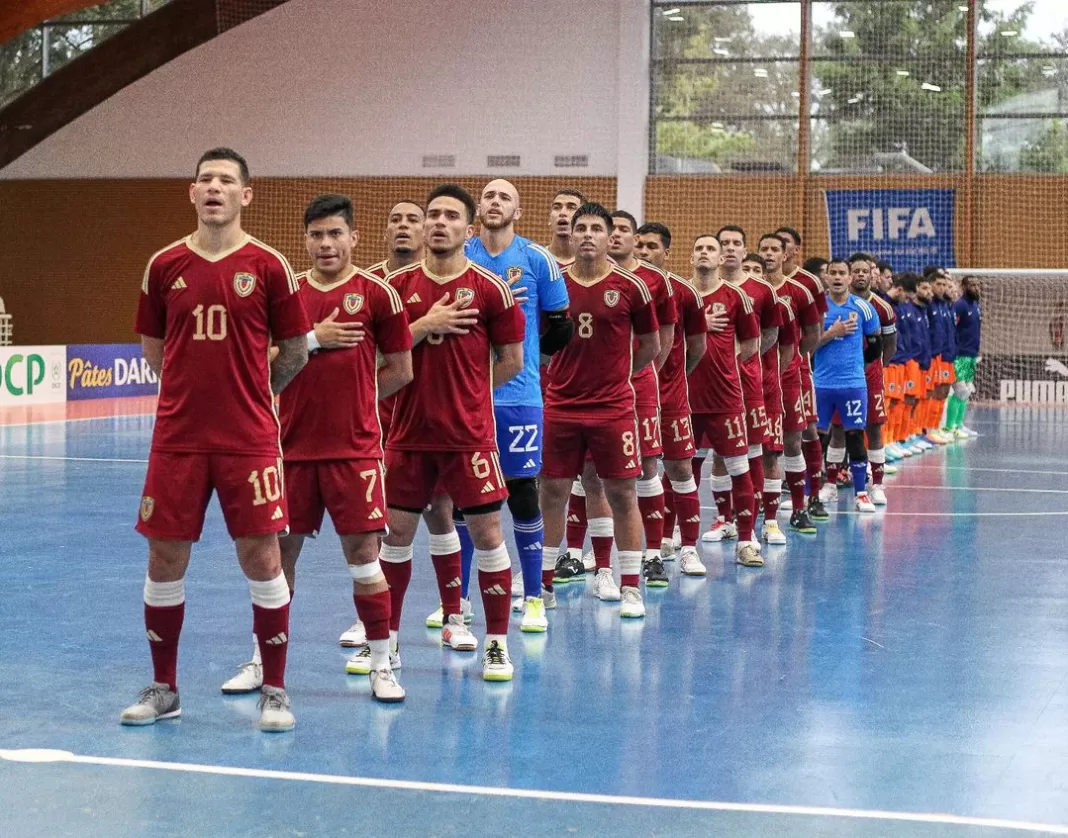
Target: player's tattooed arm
[(152, 348), (507, 363), (667, 338), (646, 351), (291, 358), (786, 354), (748, 348), (889, 347), (768, 338), (696, 346), (810, 337)]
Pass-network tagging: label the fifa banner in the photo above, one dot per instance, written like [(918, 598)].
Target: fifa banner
[(909, 228), (104, 371), (1024, 346), (33, 374)]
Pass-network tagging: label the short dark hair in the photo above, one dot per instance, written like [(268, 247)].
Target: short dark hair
[(884, 266), (655, 228), (411, 201), (837, 260), (328, 205), (775, 236), (730, 228), (573, 193), (223, 153), (454, 190), (753, 257), (908, 281), (791, 232), (859, 257), (930, 269), (624, 214), (596, 210), (814, 265), (700, 236)]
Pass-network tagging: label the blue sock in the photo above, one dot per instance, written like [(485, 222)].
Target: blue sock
[(529, 536), (859, 470), (467, 555)]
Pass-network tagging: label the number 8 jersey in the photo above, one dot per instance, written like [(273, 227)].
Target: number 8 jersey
[(217, 315), (591, 376)]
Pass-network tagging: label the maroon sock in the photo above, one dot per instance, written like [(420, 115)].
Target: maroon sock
[(756, 474), (724, 505), (669, 507), (447, 572), (832, 473), (813, 451), (577, 523), (742, 489), (652, 511), (398, 576), (688, 508), (373, 611), (795, 480), (877, 471), (602, 550), (496, 588), (163, 625), (271, 626), (771, 505)]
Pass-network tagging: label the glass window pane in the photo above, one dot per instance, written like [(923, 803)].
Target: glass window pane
[(67, 41), (688, 30), (726, 90), (739, 146), (1023, 145), (20, 65), (1033, 85)]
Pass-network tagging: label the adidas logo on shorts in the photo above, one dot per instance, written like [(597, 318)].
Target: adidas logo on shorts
[(277, 515), (376, 515), (530, 464), (489, 487), (277, 640), (631, 464)]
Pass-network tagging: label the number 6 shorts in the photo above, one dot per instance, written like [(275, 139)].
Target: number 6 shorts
[(612, 444), (471, 478), (179, 486)]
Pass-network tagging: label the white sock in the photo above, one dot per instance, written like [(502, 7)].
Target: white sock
[(379, 653)]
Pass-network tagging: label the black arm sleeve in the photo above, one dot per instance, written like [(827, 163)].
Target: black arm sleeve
[(558, 331), (873, 348)]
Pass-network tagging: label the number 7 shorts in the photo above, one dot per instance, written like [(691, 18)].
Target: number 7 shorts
[(352, 491), (178, 487), (519, 433)]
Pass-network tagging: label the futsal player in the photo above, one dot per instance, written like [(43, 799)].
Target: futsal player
[(210, 306), (968, 318)]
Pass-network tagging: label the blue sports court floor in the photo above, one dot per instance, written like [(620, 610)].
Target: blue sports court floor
[(900, 674)]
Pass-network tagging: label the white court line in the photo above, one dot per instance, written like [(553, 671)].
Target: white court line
[(940, 467), (933, 514), (35, 755), (78, 419), (980, 489), (69, 459)]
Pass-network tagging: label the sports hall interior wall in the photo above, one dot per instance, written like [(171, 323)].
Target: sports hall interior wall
[(72, 252)]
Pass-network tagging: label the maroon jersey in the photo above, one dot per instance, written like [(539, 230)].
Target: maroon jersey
[(804, 308), (379, 269), (646, 390), (591, 376), (814, 287), (329, 412), (217, 316), (449, 404), (887, 321), (767, 312), (715, 384), (674, 400)]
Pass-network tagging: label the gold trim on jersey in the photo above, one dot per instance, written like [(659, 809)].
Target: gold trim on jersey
[(294, 286), (382, 266), (441, 280), (800, 285), (395, 303), (216, 257), (663, 273), (154, 257), (747, 301), (337, 283)]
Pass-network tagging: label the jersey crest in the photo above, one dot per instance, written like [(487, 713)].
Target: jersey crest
[(515, 273), (464, 296), (611, 298), (353, 303), (719, 308), (244, 284)]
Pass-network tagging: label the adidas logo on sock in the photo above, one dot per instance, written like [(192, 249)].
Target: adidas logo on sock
[(153, 637), (278, 514), (376, 515), (489, 487), (454, 583), (495, 590), (654, 516), (696, 519), (535, 547), (572, 519), (277, 640)]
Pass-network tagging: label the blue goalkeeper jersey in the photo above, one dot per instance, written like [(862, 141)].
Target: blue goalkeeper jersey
[(839, 364), (539, 273)]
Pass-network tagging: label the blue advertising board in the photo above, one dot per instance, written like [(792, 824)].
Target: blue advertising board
[(909, 228), (104, 371)]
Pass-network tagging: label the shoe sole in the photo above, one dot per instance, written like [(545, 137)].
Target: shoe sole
[(434, 624), (239, 691), (534, 629), (656, 583), (748, 564), (174, 714), (496, 677), (819, 517), (609, 599), (805, 530), (278, 729), (632, 616), (348, 644), (350, 671), (463, 648), (695, 573)]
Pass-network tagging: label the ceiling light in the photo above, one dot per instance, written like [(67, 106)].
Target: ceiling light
[(846, 33), (760, 73), (1049, 71), (825, 91), (962, 8), (853, 100), (903, 73), (718, 51), (1009, 33), (677, 18), (932, 87), (670, 12)]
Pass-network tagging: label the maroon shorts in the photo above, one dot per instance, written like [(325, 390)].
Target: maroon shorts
[(352, 491), (793, 402), (808, 391), (677, 436), (774, 445), (649, 430), (612, 445), (724, 433), (756, 424), (876, 394), (178, 487), (470, 478)]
